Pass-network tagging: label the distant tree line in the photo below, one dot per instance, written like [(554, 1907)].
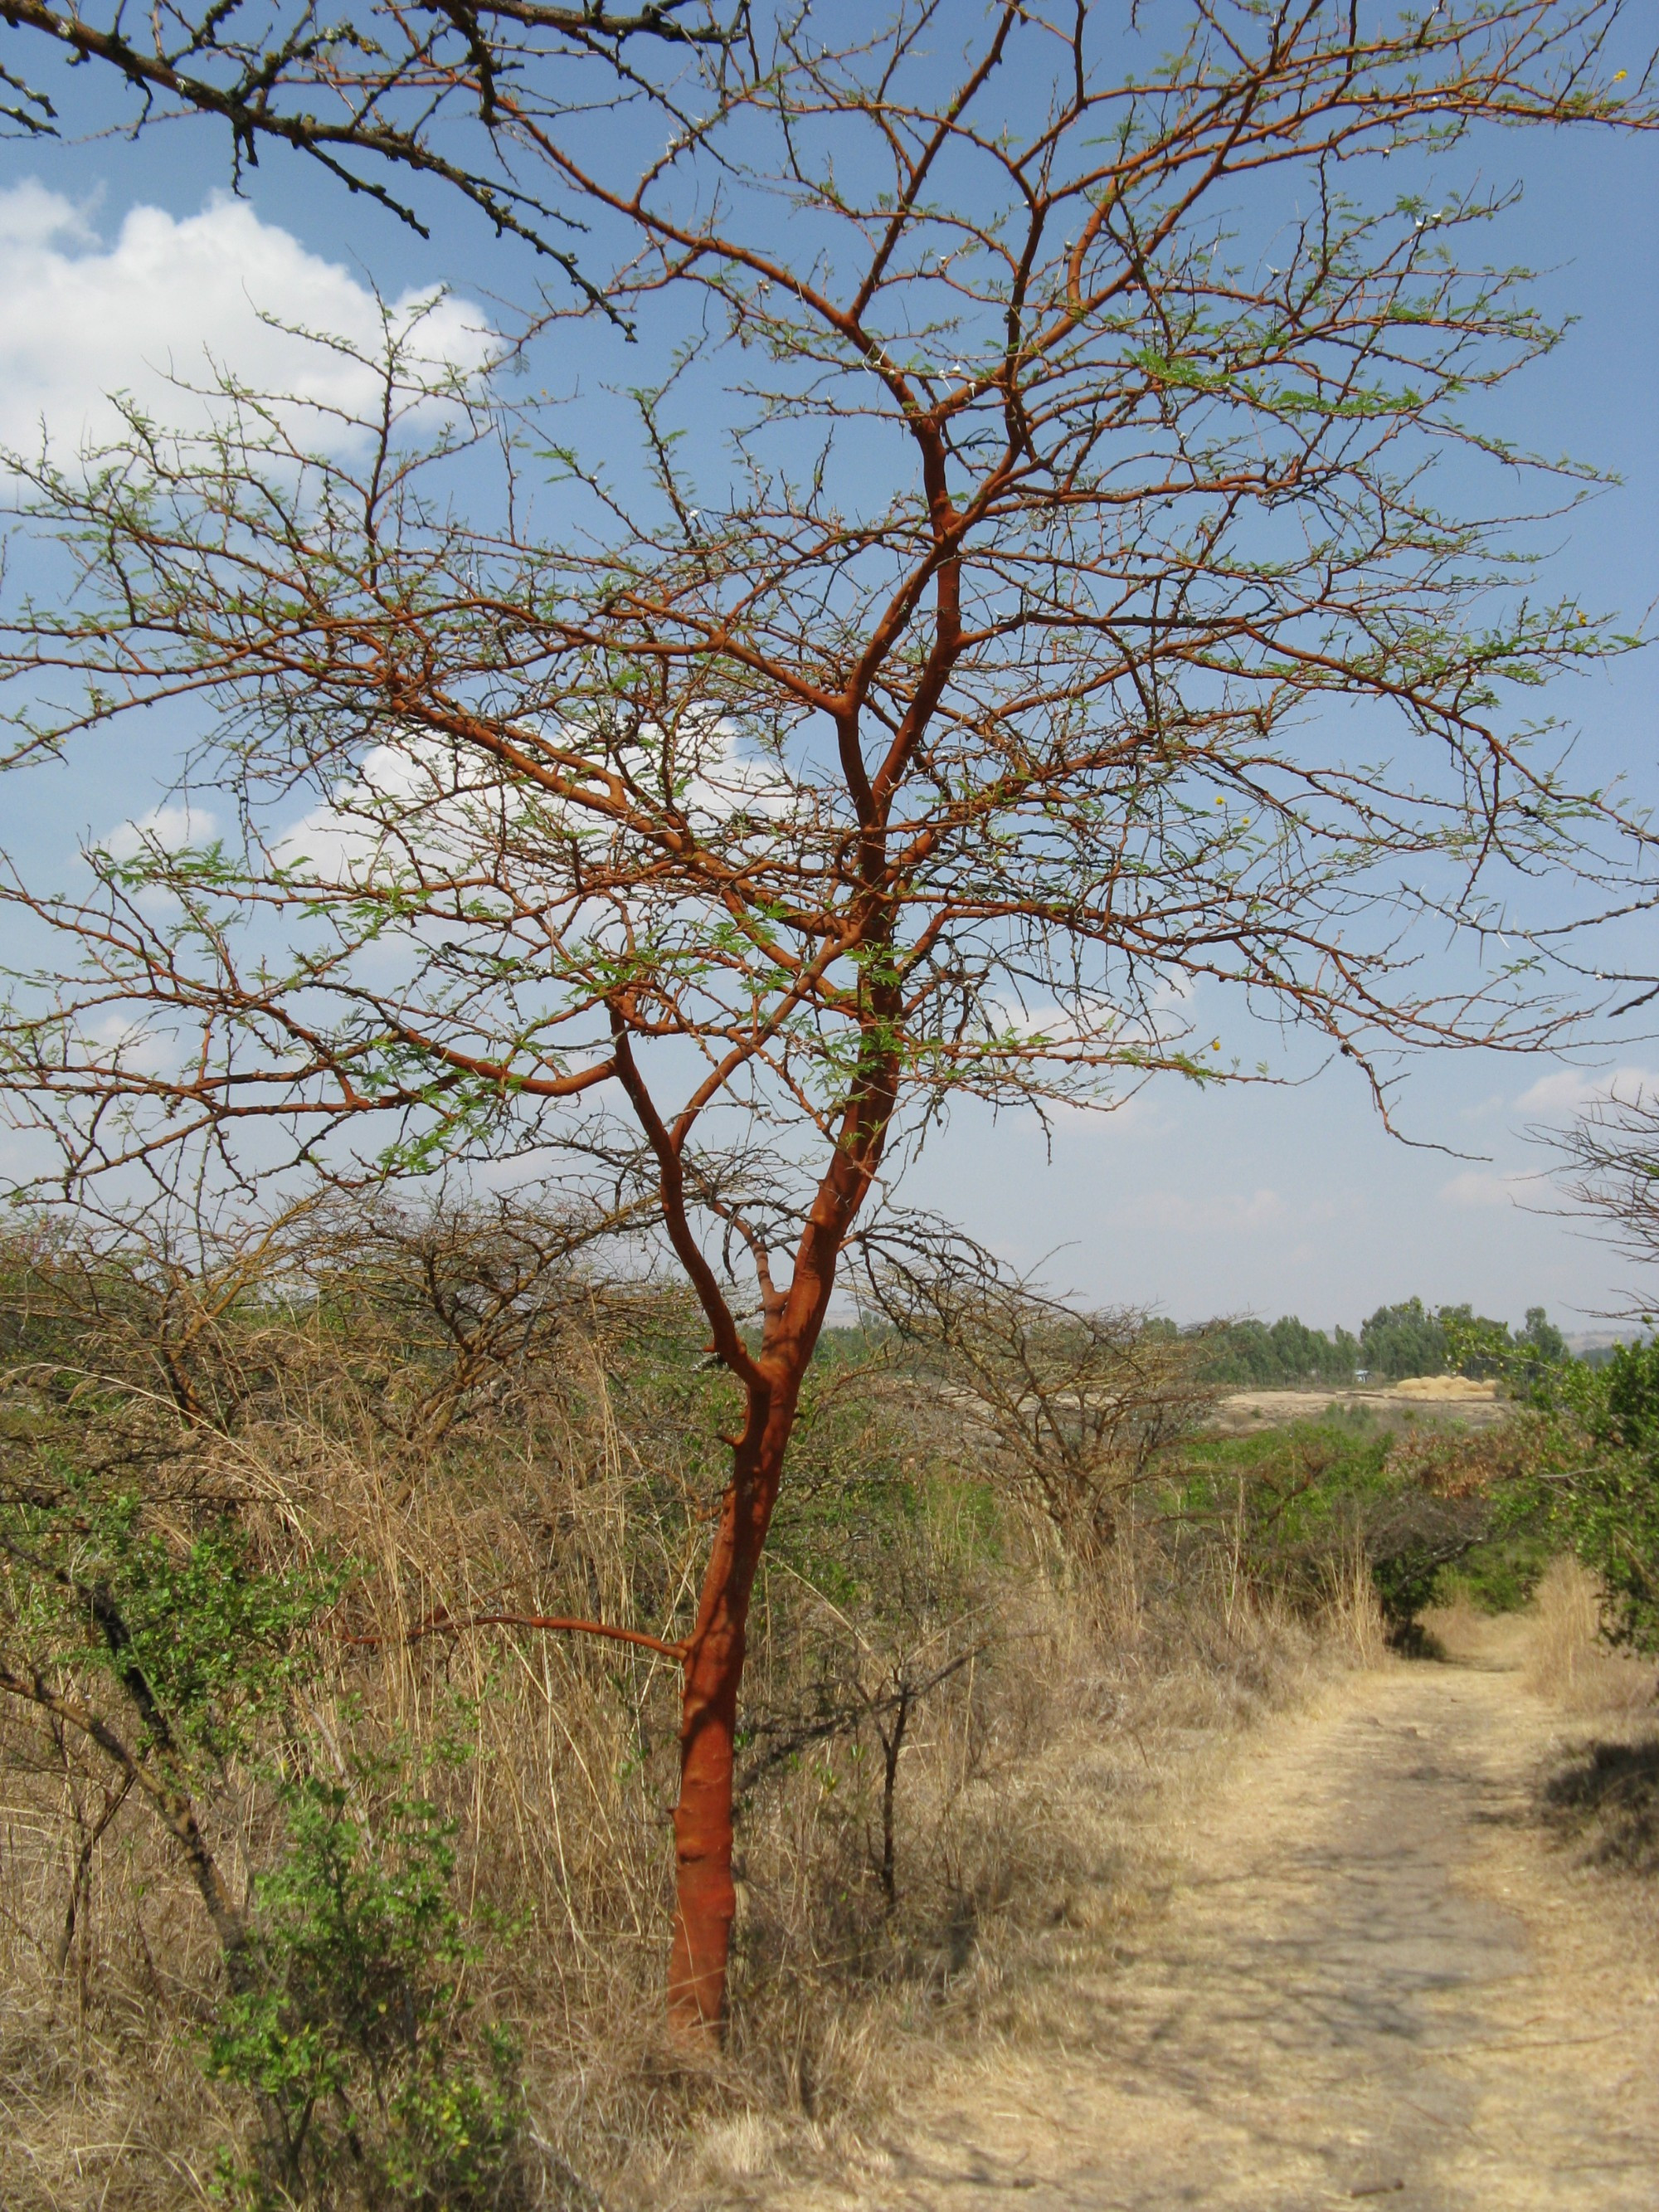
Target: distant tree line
[(1397, 1342)]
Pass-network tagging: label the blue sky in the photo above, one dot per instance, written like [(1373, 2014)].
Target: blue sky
[(114, 256)]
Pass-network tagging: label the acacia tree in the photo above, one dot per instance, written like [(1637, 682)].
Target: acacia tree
[(1078, 1408), (1027, 605), (386, 100), (1612, 1154)]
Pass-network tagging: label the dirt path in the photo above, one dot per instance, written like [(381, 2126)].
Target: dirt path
[(1376, 1981)]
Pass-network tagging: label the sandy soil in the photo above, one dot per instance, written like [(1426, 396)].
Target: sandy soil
[(1376, 1977)]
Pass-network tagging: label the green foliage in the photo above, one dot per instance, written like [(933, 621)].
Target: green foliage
[(350, 2029), (1304, 1506), (1477, 1346), (208, 1640), (1597, 1491), (1404, 1339), (850, 1501), (1500, 1573), (1541, 1340), (871, 1517), (1394, 1342), (1277, 1358), (1296, 1498)]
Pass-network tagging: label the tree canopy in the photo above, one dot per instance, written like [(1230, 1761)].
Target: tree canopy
[(1008, 601)]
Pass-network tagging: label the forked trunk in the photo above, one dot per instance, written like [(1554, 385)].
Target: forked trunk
[(705, 1898)]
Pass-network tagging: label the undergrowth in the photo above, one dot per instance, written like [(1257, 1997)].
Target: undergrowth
[(326, 1882)]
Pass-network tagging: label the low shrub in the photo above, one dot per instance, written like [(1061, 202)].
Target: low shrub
[(1420, 1505), (346, 2020)]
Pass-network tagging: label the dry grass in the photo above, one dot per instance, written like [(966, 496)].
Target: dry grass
[(1353, 1617), (1028, 1826), (1567, 1661), (1042, 1822), (1600, 1796), (1028, 1796), (1599, 1789), (1460, 1630)]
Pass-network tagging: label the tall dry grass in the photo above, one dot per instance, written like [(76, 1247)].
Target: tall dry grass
[(1566, 1659), (1599, 1795), (1045, 1711)]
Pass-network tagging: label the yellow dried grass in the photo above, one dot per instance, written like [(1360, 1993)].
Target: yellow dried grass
[(1566, 1659), (1027, 1798)]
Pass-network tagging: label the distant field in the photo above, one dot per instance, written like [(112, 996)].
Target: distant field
[(1440, 1397)]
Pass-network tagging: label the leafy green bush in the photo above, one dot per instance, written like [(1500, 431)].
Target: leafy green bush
[(1285, 1353), (1293, 1501), (1402, 1339), (351, 2029), (1500, 1573), (1596, 1488), (197, 1635), (1393, 1342), (1305, 1504)]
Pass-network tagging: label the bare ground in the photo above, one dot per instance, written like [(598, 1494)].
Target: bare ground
[(1377, 1974), (1435, 1399)]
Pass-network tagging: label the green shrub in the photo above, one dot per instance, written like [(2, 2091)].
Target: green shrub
[(1304, 1505), (1286, 1353), (205, 1640), (1596, 1490), (1499, 1574), (351, 2030)]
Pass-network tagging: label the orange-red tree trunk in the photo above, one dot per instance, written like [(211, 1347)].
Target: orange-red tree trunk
[(705, 1898)]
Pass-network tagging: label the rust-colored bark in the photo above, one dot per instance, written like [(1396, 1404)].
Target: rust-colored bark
[(705, 1897)]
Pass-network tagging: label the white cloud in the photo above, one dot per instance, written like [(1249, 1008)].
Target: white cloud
[(1191, 1213), (730, 782), (1175, 990), (170, 828), (1109, 1113), (1571, 1089), (340, 839), (170, 297), (1025, 1021), (420, 793), (143, 1046)]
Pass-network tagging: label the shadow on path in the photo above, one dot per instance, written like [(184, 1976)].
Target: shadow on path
[(1378, 1980)]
